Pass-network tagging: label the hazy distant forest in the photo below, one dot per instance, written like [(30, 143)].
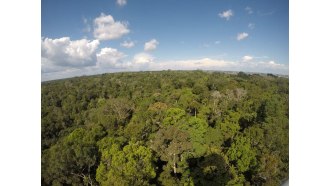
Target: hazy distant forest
[(165, 128)]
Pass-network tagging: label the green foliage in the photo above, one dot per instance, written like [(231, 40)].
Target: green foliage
[(268, 169), (112, 113), (241, 153), (173, 146), (73, 160), (196, 129), (210, 170), (131, 165), (165, 128), (213, 137), (189, 101), (157, 109), (229, 126), (174, 116)]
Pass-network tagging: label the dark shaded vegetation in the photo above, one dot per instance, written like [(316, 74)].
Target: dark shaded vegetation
[(165, 128)]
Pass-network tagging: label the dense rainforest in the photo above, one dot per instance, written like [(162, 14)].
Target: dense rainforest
[(165, 128)]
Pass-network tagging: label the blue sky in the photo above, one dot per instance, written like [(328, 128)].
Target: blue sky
[(84, 37)]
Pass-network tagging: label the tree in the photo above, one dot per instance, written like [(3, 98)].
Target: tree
[(193, 126), (174, 116), (268, 169), (112, 113), (196, 129), (189, 101), (242, 75), (131, 165), (229, 126), (210, 170), (214, 137), (157, 111), (173, 146), (73, 160), (241, 154)]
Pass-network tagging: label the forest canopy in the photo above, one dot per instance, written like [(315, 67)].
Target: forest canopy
[(165, 128)]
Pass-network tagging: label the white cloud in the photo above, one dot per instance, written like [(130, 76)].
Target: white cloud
[(127, 44), (121, 2), (144, 61), (143, 58), (251, 26), (217, 42), (241, 36), (151, 45), (64, 52), (193, 64), (249, 10), (47, 66), (272, 67), (110, 57), (106, 28), (63, 57), (222, 65), (106, 60), (247, 58), (226, 14)]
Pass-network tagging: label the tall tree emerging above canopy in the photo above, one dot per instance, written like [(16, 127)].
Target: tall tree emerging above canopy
[(173, 146)]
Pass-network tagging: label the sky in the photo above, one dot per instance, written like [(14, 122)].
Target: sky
[(86, 37)]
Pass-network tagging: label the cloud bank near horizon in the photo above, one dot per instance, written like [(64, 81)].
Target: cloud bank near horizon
[(63, 58)]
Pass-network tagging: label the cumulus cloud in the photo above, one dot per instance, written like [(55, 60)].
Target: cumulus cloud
[(65, 52), (106, 28), (121, 2), (249, 10), (47, 66), (251, 26), (110, 57), (63, 57), (143, 58), (144, 61), (226, 14), (151, 45), (267, 67), (127, 44), (241, 36), (247, 58)]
